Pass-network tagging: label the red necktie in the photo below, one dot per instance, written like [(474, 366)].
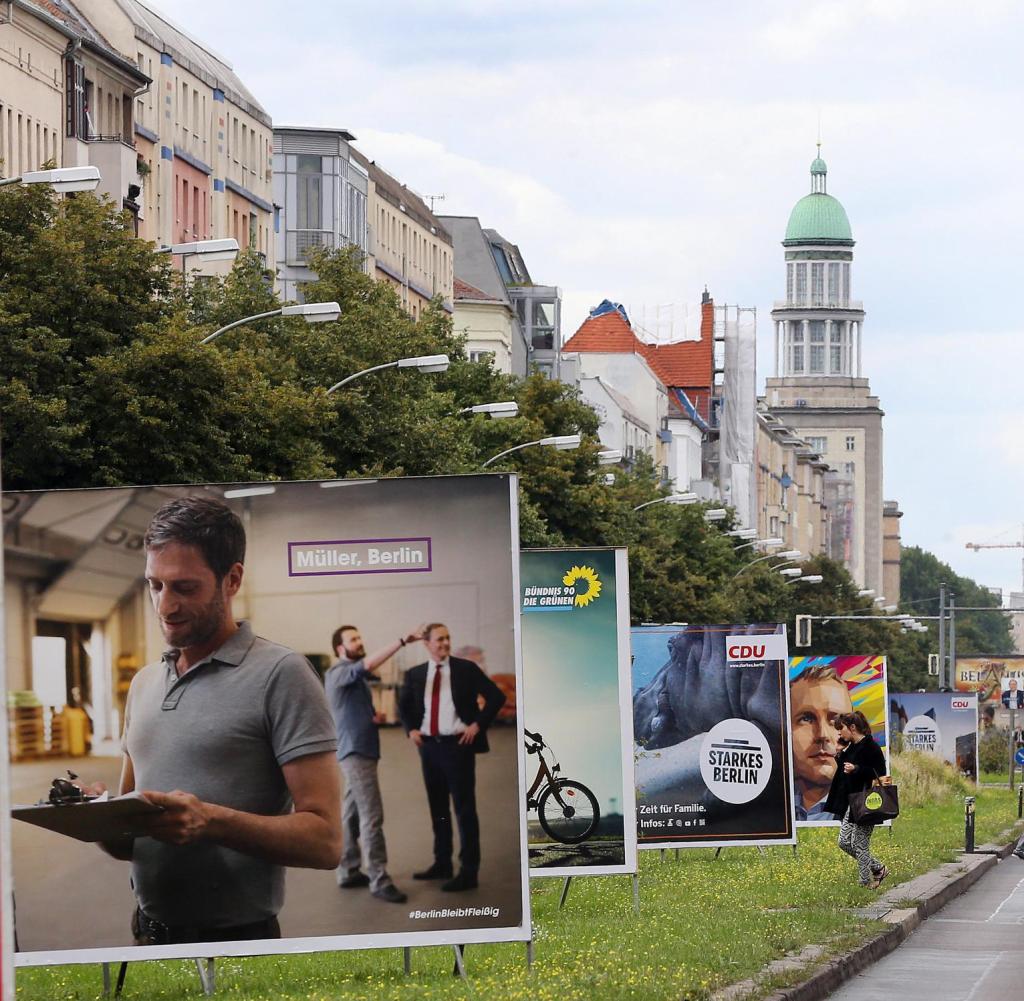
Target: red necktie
[(435, 701)]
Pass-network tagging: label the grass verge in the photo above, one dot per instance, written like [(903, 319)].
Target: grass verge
[(704, 923)]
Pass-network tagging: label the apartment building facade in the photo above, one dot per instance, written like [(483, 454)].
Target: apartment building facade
[(407, 245), (203, 141), (323, 195)]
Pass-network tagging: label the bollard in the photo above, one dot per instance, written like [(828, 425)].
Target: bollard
[(968, 825)]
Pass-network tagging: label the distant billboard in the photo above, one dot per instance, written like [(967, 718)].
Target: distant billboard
[(984, 674), (941, 723)]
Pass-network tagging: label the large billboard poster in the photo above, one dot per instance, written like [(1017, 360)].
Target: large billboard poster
[(711, 724), (377, 620), (989, 677), (941, 723), (822, 688), (6, 916), (577, 713)]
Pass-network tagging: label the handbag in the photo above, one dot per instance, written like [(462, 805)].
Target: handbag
[(875, 805)]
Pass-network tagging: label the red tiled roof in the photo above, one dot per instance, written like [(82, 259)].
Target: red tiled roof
[(686, 364), (463, 290)]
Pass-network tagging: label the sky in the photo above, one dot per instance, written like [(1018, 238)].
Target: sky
[(643, 151)]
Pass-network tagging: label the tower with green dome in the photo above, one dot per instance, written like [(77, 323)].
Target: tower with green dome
[(818, 387), (818, 326)]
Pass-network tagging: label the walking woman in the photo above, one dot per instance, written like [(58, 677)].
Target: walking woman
[(860, 762)]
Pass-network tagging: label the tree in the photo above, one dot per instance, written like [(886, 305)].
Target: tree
[(921, 573)]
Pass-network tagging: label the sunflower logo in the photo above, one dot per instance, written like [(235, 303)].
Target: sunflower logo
[(586, 583)]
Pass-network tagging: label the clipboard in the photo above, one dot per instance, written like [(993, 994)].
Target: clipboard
[(105, 820)]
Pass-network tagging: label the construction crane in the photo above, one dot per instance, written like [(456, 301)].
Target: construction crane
[(977, 546)]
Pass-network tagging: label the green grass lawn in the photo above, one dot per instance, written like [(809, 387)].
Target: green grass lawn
[(704, 923)]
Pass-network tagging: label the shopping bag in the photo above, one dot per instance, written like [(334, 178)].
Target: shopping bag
[(875, 805)]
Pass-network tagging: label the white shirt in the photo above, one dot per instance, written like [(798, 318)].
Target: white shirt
[(448, 722)]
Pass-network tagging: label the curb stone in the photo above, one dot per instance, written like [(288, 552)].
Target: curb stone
[(930, 892)]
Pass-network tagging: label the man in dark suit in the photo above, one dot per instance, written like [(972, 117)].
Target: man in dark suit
[(440, 710)]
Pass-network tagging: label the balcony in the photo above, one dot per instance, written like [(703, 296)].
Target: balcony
[(856, 305), (300, 242), (117, 161)]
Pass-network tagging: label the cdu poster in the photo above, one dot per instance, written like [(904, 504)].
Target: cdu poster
[(711, 724)]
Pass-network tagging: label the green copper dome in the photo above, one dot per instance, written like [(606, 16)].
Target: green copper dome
[(818, 217)]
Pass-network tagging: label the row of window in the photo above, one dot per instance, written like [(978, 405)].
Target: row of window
[(818, 347), (428, 260), (820, 443), (195, 130), (818, 283), (24, 143)]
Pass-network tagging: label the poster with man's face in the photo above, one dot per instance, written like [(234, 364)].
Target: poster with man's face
[(711, 725), (374, 619), (577, 713), (1011, 693), (820, 690)]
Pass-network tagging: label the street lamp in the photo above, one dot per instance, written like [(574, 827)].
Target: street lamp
[(791, 572), (208, 250), (560, 442), (63, 180), (608, 458), (716, 514), (422, 363), (789, 554), (743, 533), (496, 411), (866, 592), (311, 312), (811, 578), (670, 499), (766, 543)]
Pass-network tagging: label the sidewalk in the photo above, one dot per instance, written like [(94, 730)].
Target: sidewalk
[(903, 907)]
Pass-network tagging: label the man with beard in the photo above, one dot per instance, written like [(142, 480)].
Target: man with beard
[(231, 736), (362, 811)]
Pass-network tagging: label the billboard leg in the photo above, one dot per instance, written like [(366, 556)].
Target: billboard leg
[(529, 954), (206, 975), (407, 959), (460, 966), (718, 851), (106, 980), (636, 893), (121, 974), (565, 892)]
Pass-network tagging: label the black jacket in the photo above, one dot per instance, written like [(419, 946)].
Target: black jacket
[(868, 764), (468, 682)]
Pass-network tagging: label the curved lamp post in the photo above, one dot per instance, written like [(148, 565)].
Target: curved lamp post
[(811, 578), (742, 533), (716, 514), (794, 572), (311, 312), (670, 499), (208, 250), (63, 180), (561, 442), (609, 457), (789, 554), (422, 363)]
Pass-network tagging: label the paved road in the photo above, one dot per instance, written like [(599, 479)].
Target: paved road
[(972, 950)]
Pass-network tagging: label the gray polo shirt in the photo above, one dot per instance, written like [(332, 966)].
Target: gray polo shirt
[(221, 731), (351, 704)]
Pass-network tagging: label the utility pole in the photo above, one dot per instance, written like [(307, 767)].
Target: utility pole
[(951, 610), (942, 636)]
